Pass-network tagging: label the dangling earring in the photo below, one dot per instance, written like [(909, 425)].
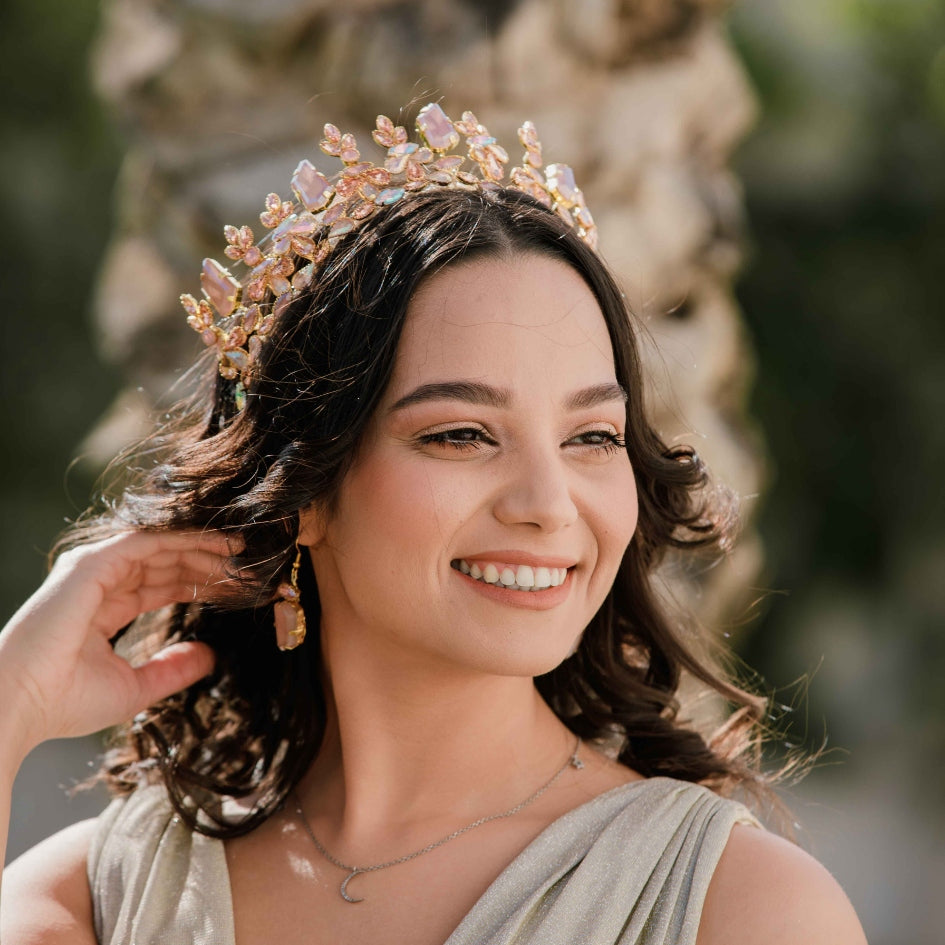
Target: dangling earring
[(288, 612)]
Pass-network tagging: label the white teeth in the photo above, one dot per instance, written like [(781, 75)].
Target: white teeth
[(522, 578)]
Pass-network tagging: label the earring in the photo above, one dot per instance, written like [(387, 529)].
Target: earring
[(288, 612)]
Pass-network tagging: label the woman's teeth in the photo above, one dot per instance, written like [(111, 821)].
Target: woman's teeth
[(521, 578)]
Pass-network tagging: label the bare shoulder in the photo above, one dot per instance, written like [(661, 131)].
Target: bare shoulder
[(766, 889), (46, 896)]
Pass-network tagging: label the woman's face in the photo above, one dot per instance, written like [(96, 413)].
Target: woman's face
[(491, 502)]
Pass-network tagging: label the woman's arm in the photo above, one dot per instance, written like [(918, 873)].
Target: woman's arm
[(60, 676), (46, 898), (766, 889)]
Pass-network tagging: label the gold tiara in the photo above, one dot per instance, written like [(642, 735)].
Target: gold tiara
[(236, 315)]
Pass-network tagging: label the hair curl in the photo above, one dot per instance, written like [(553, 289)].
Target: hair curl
[(252, 728)]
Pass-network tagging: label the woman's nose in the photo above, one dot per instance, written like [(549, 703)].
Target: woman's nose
[(537, 492)]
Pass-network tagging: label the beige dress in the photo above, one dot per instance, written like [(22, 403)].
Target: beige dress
[(631, 866)]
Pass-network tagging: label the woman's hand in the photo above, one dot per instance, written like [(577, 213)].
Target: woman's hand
[(59, 675)]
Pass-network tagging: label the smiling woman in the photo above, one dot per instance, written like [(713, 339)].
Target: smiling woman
[(421, 451)]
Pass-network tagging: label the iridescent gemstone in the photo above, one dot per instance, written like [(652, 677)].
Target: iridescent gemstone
[(284, 227), (238, 357), (250, 317), (340, 228), (219, 287), (280, 285), (562, 185), (436, 128), (480, 141), (303, 278), (311, 186), (389, 196), (280, 305)]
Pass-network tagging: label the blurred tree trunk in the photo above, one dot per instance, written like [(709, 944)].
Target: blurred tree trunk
[(644, 98)]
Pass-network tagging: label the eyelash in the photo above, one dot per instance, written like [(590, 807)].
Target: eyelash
[(612, 443)]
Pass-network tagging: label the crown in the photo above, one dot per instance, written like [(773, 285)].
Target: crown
[(235, 316)]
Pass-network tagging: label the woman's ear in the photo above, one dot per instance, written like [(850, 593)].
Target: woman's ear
[(311, 526)]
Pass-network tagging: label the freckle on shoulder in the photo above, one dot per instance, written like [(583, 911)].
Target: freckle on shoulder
[(766, 889)]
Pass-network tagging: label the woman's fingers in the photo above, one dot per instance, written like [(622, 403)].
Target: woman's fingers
[(58, 672), (172, 669)]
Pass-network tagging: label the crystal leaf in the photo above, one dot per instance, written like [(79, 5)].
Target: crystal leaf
[(311, 186), (220, 288), (436, 128)]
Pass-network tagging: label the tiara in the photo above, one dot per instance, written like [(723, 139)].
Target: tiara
[(236, 315)]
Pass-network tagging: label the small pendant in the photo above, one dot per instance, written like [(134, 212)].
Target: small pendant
[(344, 886), (576, 762)]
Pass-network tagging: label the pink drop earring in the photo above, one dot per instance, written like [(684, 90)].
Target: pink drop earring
[(288, 612)]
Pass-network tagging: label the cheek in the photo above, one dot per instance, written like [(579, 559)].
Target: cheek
[(618, 523), (410, 504)]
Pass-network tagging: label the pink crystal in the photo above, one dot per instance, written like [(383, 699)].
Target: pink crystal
[(286, 618), (219, 287), (303, 278), (311, 186), (436, 128), (492, 167), (361, 212), (561, 182)]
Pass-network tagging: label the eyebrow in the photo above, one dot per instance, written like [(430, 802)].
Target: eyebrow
[(475, 392)]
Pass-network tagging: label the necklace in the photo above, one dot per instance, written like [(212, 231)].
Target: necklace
[(352, 871)]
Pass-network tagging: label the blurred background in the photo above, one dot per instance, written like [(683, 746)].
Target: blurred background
[(799, 318)]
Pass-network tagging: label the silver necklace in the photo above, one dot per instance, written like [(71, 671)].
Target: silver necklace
[(352, 871)]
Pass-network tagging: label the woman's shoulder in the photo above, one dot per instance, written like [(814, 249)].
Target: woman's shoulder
[(766, 888), (46, 897)]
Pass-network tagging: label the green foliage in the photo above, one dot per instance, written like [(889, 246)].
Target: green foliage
[(845, 182), (57, 165)]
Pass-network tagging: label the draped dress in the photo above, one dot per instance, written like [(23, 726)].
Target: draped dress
[(629, 867)]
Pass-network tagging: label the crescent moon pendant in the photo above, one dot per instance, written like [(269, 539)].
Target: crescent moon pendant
[(344, 886)]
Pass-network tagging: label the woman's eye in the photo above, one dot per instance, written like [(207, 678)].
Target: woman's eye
[(462, 438), (605, 440)]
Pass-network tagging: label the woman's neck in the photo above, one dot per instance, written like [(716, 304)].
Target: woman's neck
[(413, 750)]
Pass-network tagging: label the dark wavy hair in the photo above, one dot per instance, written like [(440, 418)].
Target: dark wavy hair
[(253, 727)]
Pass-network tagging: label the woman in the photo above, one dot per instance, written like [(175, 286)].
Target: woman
[(423, 458)]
